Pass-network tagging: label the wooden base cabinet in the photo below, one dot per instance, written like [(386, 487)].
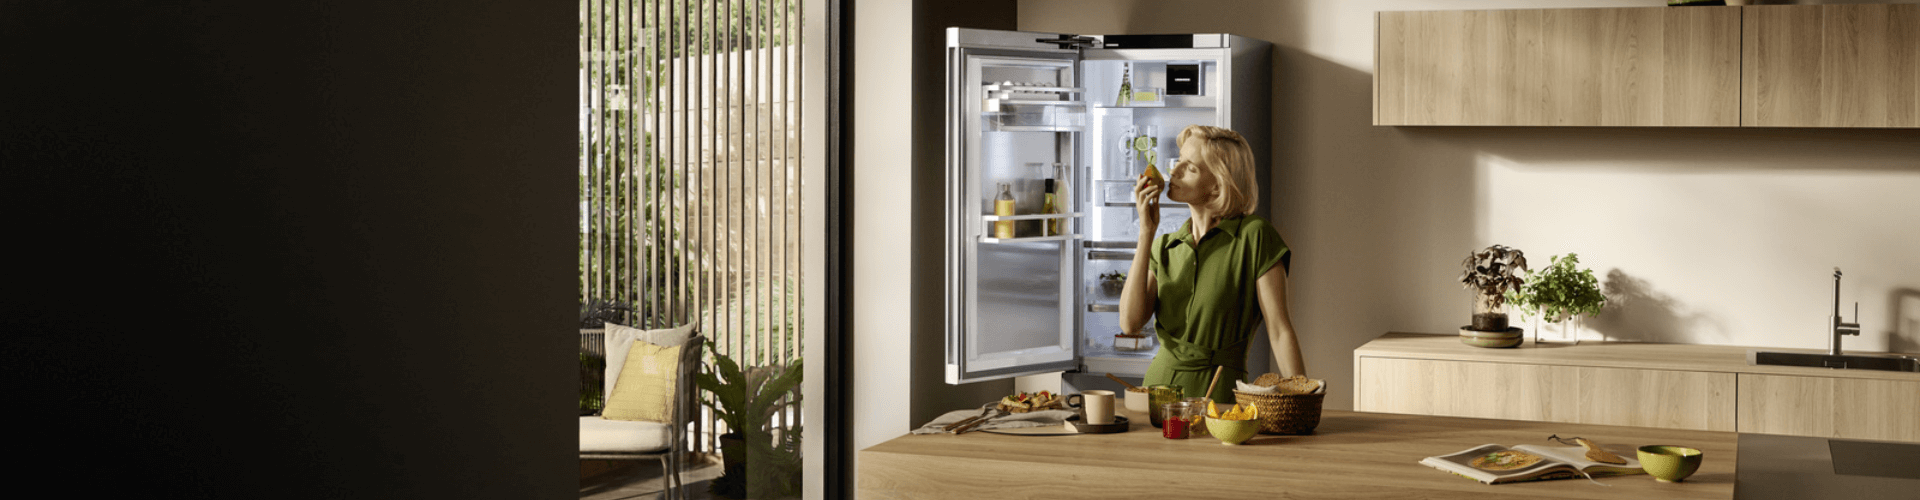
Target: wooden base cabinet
[(1830, 407), (1552, 393), (1672, 386)]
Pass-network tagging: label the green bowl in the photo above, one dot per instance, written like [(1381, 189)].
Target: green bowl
[(1232, 432), (1669, 464)]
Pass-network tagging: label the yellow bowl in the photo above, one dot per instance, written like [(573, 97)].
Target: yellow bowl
[(1232, 432), (1669, 464)]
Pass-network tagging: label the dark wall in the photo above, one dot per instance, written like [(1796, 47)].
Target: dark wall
[(932, 395), (291, 249)]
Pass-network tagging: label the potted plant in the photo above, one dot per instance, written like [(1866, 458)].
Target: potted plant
[(1559, 293), (748, 402), (1491, 273)]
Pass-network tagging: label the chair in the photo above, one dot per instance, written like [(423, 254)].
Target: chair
[(602, 439)]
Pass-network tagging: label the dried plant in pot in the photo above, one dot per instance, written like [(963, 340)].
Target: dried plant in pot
[(1490, 273)]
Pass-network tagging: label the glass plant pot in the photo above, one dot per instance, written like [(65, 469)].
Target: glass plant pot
[(1488, 317), (1564, 331)]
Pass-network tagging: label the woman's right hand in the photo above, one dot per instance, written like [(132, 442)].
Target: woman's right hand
[(1146, 197)]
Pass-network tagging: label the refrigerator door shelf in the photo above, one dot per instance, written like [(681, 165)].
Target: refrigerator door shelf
[(1005, 116)]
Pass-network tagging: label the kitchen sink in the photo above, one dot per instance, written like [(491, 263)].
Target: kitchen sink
[(1892, 363)]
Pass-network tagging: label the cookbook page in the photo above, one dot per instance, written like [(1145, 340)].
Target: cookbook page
[(1577, 455)]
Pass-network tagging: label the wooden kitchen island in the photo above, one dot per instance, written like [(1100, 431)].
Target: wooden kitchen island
[(1350, 455)]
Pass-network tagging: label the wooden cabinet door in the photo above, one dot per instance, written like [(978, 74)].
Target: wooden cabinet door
[(1831, 66), (1575, 394), (1653, 66), (1830, 407)]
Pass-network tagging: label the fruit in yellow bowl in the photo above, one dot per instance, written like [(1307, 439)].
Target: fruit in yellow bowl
[(1232, 432)]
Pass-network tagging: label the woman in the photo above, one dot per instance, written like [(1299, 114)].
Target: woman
[(1209, 284)]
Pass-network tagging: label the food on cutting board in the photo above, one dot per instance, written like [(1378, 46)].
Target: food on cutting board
[(1031, 401)]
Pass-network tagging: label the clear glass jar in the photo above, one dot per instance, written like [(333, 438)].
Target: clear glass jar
[(1158, 396)]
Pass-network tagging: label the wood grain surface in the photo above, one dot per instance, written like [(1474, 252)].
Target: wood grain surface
[(1831, 66), (1553, 393), (1567, 67), (1637, 355), (1350, 455), (1830, 407)]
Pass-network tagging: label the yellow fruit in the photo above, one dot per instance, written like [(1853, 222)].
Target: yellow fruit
[(1154, 174)]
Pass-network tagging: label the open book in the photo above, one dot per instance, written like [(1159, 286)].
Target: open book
[(1495, 464)]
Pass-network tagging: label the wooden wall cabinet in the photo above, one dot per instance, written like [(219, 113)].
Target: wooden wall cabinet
[(1830, 66), (1752, 66), (1653, 66)]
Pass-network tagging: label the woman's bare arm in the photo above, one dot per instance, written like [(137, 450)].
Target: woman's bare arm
[(1273, 306), (1137, 298)]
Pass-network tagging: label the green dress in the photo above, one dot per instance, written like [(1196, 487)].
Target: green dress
[(1207, 306)]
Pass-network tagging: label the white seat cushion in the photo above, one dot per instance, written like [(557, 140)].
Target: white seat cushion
[(598, 435)]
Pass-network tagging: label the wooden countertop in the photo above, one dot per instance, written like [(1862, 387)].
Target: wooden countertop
[(1350, 455), (1638, 355)]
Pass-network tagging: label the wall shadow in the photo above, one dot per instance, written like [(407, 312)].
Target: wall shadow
[(1903, 331), (1637, 311), (932, 395), (1692, 150)]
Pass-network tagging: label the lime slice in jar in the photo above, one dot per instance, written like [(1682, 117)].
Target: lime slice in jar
[(1142, 143)]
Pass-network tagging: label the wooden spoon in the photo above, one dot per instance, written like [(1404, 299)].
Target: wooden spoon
[(1130, 386), (1216, 381)]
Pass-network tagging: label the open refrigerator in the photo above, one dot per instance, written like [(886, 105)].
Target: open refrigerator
[(1030, 113)]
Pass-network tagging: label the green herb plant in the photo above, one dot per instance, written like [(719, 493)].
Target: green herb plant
[(749, 402), (1559, 291)]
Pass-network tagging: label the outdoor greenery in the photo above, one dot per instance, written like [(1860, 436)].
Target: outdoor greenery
[(654, 244), (749, 401), (1560, 291)]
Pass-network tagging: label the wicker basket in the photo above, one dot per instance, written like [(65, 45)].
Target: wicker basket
[(1284, 414)]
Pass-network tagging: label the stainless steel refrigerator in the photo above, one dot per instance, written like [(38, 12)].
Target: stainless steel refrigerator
[(1026, 110)]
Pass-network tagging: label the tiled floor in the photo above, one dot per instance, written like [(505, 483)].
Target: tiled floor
[(641, 479)]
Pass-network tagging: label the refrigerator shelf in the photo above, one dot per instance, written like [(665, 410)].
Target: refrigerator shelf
[(1129, 204), (996, 87), (995, 104), (1103, 308), (1030, 239), (1038, 128), (1109, 255)]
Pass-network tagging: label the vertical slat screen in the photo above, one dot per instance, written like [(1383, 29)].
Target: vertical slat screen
[(689, 175)]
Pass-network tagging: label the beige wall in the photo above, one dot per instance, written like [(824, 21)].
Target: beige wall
[(1711, 236), (881, 285)]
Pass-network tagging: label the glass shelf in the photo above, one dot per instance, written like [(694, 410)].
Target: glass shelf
[(1030, 239)]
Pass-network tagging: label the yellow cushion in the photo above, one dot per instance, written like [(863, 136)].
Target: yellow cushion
[(645, 388)]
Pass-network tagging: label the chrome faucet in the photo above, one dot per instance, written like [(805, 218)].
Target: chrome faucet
[(1835, 325)]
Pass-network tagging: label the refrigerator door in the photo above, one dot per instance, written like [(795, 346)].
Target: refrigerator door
[(1014, 117)]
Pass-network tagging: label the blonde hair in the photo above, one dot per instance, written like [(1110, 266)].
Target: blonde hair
[(1226, 156)]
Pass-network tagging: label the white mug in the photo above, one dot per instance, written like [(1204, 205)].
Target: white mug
[(1096, 407)]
